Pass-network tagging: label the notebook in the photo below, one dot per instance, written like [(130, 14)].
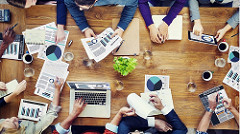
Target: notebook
[(174, 30), (15, 50), (130, 46), (11, 86), (35, 36)]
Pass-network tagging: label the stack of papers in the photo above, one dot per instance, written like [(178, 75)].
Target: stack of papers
[(100, 47), (45, 84), (50, 33)]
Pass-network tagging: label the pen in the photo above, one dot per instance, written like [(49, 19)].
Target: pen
[(120, 46), (70, 42), (234, 34), (13, 26)]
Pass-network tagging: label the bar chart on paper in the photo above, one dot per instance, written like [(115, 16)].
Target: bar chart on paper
[(53, 53)]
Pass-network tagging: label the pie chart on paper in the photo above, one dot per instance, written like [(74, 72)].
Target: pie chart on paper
[(154, 83), (234, 56), (53, 52)]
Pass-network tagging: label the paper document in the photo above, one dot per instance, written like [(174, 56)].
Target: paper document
[(99, 48), (156, 82), (141, 107), (35, 36), (11, 86), (34, 48), (50, 40), (45, 84)]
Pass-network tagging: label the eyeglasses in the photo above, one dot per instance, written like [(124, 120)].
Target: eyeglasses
[(86, 7)]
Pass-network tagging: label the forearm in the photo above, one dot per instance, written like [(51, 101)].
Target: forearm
[(67, 122), (145, 11), (204, 123), (56, 97), (127, 15), (194, 10), (236, 114), (174, 11), (117, 118), (10, 97), (227, 28)]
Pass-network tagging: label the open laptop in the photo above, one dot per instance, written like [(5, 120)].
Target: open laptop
[(174, 30), (97, 95)]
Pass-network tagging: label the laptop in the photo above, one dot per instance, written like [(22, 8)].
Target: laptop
[(174, 30), (220, 114), (97, 95)]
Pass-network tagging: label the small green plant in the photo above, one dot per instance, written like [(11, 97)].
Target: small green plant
[(124, 65)]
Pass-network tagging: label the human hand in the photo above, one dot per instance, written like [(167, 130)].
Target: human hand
[(228, 103), (8, 37), (198, 28), (212, 101), (3, 86), (20, 87), (78, 106), (58, 84), (118, 32), (89, 33), (127, 111), (162, 125), (60, 36), (154, 34), (163, 31), (220, 34), (156, 101)]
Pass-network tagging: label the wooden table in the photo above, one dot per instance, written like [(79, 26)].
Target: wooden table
[(178, 59)]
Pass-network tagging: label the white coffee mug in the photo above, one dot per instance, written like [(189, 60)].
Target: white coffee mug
[(207, 75), (223, 46), (27, 58)]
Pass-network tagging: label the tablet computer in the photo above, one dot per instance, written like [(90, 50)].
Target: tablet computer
[(204, 38)]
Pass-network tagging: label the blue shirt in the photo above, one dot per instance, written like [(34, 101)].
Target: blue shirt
[(126, 16)]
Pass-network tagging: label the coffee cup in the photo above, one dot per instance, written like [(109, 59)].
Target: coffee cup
[(207, 75), (223, 46), (27, 58)]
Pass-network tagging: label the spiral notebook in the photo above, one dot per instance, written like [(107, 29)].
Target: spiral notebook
[(35, 36)]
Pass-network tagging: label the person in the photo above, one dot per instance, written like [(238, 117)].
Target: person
[(8, 38), (232, 23), (160, 34), (76, 8), (195, 15), (14, 125), (154, 126), (19, 89), (204, 123), (61, 13)]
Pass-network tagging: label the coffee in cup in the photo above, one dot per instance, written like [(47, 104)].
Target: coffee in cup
[(207, 75), (223, 46), (27, 58)]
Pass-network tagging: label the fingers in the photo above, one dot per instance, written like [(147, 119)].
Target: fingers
[(114, 34)]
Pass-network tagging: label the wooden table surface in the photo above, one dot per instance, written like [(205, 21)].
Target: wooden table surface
[(178, 59)]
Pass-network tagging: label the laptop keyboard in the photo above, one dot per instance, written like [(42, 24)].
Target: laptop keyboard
[(92, 98)]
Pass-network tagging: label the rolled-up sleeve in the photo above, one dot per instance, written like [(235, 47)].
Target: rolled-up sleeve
[(234, 20)]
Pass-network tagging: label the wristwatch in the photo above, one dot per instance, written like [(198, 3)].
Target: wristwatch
[(210, 110)]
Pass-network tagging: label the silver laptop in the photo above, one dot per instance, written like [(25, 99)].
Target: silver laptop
[(97, 95)]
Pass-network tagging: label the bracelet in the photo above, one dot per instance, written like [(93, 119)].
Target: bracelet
[(210, 110)]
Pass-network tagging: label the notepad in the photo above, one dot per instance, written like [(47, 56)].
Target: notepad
[(34, 36), (11, 86)]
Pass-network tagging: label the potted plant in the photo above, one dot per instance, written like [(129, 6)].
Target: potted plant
[(124, 65)]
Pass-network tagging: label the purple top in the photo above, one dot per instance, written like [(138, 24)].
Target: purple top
[(173, 12)]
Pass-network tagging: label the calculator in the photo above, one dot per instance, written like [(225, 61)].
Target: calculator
[(5, 15)]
